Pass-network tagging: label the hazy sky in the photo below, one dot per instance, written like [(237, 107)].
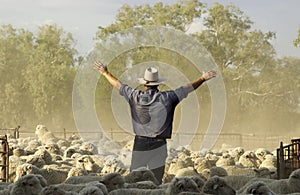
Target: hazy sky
[(82, 17)]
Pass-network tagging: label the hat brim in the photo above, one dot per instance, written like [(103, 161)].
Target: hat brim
[(144, 82)]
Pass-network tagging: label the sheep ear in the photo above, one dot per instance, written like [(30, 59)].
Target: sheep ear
[(255, 170), (253, 191)]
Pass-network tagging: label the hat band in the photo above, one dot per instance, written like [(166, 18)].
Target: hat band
[(148, 81)]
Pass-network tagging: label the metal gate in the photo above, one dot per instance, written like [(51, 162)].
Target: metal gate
[(4, 152), (288, 158)]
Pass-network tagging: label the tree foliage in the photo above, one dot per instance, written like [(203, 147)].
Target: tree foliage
[(297, 41), (37, 74), (245, 57)]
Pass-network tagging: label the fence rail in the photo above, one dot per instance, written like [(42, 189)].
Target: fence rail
[(248, 141)]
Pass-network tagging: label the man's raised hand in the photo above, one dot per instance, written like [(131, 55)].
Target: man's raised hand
[(208, 75), (100, 67)]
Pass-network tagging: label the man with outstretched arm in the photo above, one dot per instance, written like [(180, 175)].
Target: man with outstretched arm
[(152, 113)]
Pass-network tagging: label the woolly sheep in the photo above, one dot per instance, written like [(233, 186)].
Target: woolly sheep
[(91, 190), (182, 184), (140, 174), (176, 165), (285, 186), (249, 159), (53, 176), (35, 160), (257, 188), (261, 153), (219, 171), (79, 187), (113, 181), (225, 160), (200, 181), (201, 163), (218, 186), (63, 143), (51, 190), (238, 181), (14, 162), (178, 185), (70, 151), (19, 152), (28, 185), (53, 148), (236, 153), (87, 163), (141, 185), (188, 172), (75, 171), (44, 135), (136, 191), (45, 155), (88, 148), (32, 147), (112, 165), (269, 162), (82, 179)]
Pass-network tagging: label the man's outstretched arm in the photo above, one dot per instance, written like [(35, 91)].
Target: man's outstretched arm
[(111, 79), (205, 77)]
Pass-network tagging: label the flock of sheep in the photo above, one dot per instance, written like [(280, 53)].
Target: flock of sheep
[(47, 165)]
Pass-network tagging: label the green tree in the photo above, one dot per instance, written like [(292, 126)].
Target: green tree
[(243, 55), (49, 74), (297, 41), (179, 15), (15, 103)]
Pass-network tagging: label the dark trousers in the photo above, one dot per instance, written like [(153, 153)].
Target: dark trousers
[(150, 153)]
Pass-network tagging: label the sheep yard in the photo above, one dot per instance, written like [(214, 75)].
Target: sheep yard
[(46, 162)]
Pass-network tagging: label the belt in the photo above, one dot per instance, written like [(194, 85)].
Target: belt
[(149, 138)]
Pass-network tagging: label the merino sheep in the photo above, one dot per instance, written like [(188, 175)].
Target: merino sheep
[(238, 181), (88, 148), (44, 135), (218, 186), (141, 185), (113, 181), (75, 171), (53, 176), (257, 188), (225, 160), (286, 186), (53, 148), (82, 179), (188, 172), (269, 162), (175, 165), (141, 174), (32, 146), (236, 153), (249, 159), (182, 184), (87, 163), (112, 165), (28, 185), (91, 190), (178, 185), (219, 171), (77, 188), (54, 190), (202, 163), (261, 153)]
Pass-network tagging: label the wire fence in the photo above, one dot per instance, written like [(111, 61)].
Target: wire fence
[(247, 141)]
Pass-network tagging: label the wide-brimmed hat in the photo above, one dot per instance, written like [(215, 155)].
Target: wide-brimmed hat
[(151, 77)]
